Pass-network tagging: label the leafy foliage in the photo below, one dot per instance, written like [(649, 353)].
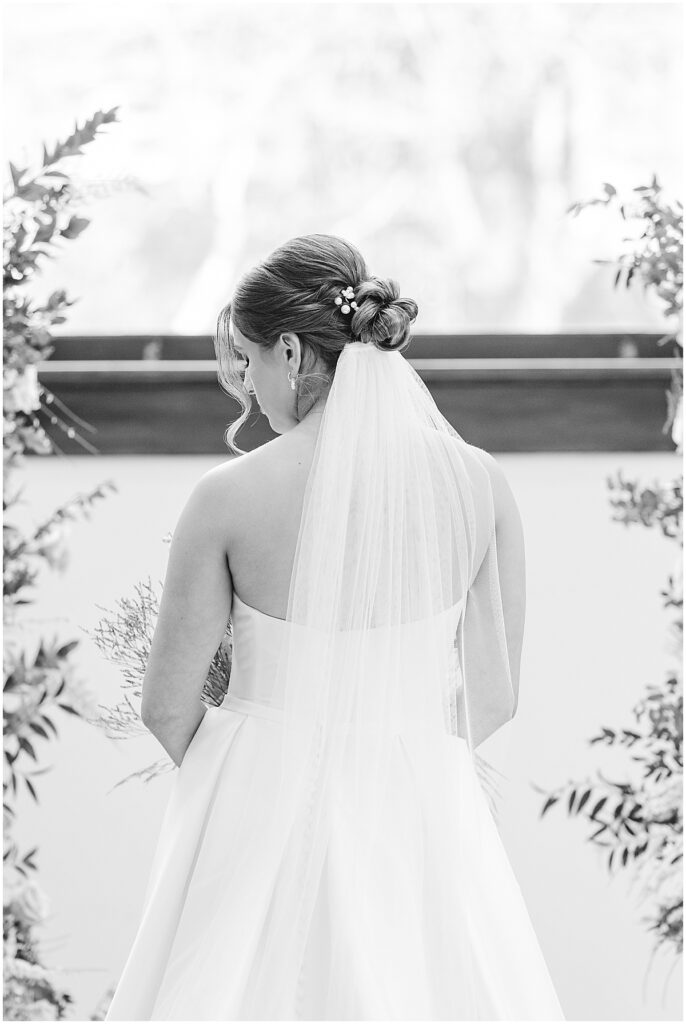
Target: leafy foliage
[(39, 684), (657, 256), (39, 216), (639, 822), (660, 505)]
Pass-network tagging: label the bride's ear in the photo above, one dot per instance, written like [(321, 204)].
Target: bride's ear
[(291, 350)]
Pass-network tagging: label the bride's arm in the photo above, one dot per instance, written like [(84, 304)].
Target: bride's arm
[(194, 611)]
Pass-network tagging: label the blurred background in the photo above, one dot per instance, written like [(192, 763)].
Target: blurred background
[(449, 142), (445, 139)]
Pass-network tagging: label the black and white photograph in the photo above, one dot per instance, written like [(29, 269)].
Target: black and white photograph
[(343, 510)]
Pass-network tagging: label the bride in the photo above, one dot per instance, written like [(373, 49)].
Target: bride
[(328, 850)]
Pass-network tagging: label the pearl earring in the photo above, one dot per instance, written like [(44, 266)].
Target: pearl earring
[(292, 379)]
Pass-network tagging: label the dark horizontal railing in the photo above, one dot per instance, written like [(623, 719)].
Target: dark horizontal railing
[(490, 345), (503, 392)]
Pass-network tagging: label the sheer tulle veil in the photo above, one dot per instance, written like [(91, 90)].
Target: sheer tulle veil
[(396, 636)]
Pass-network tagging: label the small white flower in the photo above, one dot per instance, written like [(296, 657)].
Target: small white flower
[(24, 391), (347, 293), (31, 904)]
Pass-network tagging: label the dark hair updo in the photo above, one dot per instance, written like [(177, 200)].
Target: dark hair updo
[(294, 289)]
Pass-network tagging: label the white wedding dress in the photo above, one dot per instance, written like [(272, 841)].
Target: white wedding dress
[(328, 851), (467, 952)]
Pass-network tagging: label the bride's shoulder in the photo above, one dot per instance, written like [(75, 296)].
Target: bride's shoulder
[(503, 496), (491, 470), (485, 459), (242, 483), (471, 454), (236, 469)]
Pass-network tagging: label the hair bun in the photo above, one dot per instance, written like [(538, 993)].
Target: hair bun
[(382, 316)]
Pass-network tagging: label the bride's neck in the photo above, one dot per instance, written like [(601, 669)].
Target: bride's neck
[(312, 418)]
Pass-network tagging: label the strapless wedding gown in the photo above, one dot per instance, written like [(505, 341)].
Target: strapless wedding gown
[(212, 876)]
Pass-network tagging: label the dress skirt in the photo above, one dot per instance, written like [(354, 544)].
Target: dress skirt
[(446, 937)]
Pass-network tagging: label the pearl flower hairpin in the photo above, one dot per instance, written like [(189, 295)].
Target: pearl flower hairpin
[(346, 293)]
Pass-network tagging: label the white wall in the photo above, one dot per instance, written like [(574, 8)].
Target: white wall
[(595, 637)]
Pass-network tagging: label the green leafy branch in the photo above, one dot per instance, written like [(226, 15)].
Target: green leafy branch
[(660, 505), (657, 258), (35, 236), (639, 822), (25, 553), (39, 213)]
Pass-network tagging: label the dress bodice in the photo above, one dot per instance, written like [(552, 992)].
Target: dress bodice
[(258, 645)]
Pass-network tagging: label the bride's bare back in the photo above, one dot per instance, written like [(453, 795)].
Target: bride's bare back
[(260, 507), (264, 493)]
